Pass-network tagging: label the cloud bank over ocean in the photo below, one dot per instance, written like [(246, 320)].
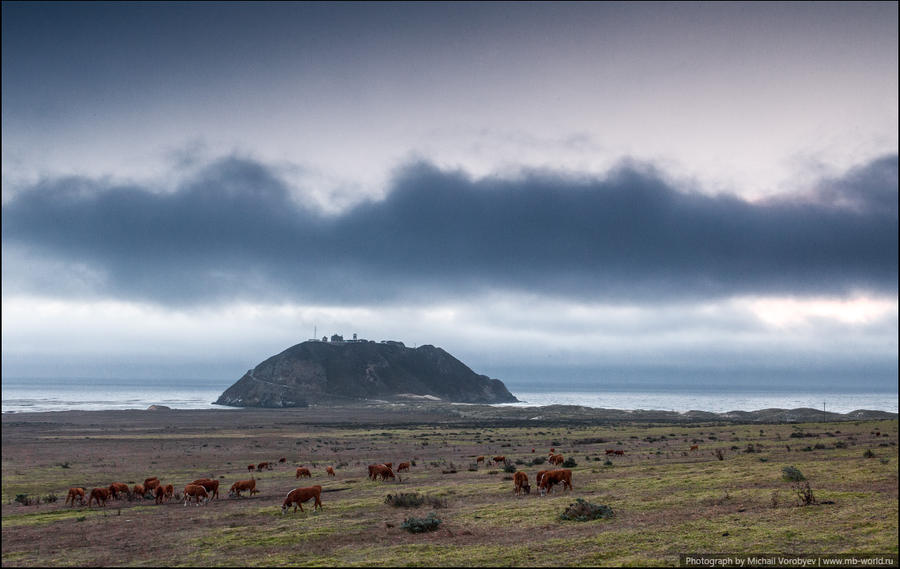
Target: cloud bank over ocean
[(235, 230)]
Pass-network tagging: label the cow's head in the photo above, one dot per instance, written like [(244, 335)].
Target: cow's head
[(527, 488)]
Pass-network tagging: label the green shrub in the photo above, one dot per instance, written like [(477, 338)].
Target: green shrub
[(421, 525), (405, 500), (50, 498), (792, 474), (26, 500), (569, 463), (414, 500), (608, 462), (583, 511), (868, 454), (538, 460), (509, 468)]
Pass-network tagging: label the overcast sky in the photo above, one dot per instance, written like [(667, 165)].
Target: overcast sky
[(603, 193)]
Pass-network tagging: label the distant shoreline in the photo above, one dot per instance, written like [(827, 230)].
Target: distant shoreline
[(432, 412)]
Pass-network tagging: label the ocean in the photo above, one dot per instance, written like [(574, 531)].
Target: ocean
[(21, 395)]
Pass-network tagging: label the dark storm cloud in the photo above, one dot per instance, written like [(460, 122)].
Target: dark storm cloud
[(234, 231)]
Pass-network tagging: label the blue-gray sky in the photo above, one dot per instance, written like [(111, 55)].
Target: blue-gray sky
[(586, 190)]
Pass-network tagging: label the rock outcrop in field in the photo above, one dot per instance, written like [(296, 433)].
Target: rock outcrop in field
[(317, 372)]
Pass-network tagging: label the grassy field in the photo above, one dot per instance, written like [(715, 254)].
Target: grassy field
[(728, 496)]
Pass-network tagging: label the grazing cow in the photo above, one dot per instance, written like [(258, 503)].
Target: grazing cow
[(610, 451), (282, 459), (150, 484), (75, 493), (552, 450), (556, 459), (301, 471), (196, 492), (695, 447), (251, 467), (329, 471), (388, 464), (262, 465), (372, 471), (537, 477), (101, 495), (499, 459), (563, 475), (242, 485), (299, 495), (138, 491), (520, 479), (384, 471), (479, 459), (620, 453), (117, 488), (403, 466), (532, 450), (211, 485)]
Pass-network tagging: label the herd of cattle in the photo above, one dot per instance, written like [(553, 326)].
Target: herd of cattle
[(203, 490)]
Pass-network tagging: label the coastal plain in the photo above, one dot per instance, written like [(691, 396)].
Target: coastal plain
[(728, 495)]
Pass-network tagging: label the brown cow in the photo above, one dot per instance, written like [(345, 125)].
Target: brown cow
[(211, 485), (299, 495), (695, 447), (556, 459), (384, 471), (610, 451), (302, 471), (117, 488), (520, 479), (479, 459), (620, 453), (499, 459), (138, 491), (388, 464), (151, 484), (563, 475), (282, 459), (168, 492), (251, 467), (372, 471), (101, 495), (403, 466), (552, 450), (538, 476), (196, 492), (242, 485), (262, 465), (75, 493), (329, 471)]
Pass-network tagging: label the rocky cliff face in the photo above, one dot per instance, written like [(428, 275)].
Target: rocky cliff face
[(331, 372)]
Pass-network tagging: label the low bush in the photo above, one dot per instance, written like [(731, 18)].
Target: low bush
[(569, 463), (868, 454), (583, 511), (792, 474), (538, 460), (50, 498), (421, 525), (509, 468), (405, 500)]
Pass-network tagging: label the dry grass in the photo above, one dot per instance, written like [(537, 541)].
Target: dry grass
[(667, 500)]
